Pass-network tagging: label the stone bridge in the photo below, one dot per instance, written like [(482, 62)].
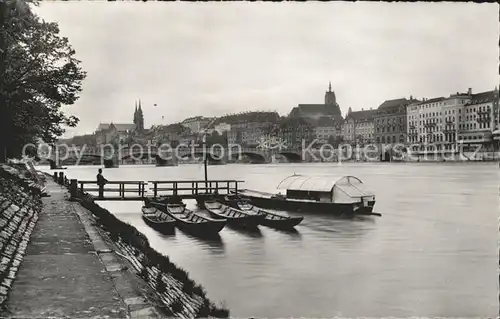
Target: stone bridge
[(124, 154)]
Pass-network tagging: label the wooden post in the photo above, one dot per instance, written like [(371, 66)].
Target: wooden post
[(81, 187), (61, 178), (227, 187), (175, 188), (236, 187), (73, 187), (196, 188), (155, 189)]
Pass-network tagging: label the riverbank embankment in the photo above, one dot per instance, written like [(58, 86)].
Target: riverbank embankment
[(83, 262)]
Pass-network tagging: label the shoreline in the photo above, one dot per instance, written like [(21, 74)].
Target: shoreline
[(148, 283)]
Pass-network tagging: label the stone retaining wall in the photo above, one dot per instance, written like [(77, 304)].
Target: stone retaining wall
[(179, 295), (19, 207)]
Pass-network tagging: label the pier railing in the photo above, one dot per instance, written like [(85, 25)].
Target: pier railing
[(139, 190)]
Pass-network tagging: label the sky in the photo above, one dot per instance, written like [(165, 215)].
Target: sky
[(213, 58)]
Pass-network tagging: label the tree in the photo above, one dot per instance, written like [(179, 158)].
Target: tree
[(39, 74)]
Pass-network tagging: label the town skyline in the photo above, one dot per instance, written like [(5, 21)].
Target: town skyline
[(187, 66)]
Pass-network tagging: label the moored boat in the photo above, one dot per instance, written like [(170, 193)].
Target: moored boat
[(191, 222), (233, 216), (270, 219), (346, 195), (158, 220)]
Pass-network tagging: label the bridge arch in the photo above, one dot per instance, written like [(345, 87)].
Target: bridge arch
[(254, 157), (292, 157)]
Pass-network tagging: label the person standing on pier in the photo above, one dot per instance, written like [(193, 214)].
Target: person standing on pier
[(101, 181)]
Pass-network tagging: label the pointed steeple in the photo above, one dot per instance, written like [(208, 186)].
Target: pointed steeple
[(140, 110), (135, 113), (330, 98)]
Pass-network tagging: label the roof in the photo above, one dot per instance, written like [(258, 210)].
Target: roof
[(482, 97), (362, 115), (103, 126), (196, 118), (296, 121), (326, 122), (314, 109), (124, 127), (393, 103), (118, 126), (247, 117), (316, 183), (436, 99)]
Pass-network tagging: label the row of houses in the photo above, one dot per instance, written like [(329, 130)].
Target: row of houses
[(468, 118)]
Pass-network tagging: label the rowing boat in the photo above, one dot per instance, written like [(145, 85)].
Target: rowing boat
[(233, 216), (158, 220), (191, 222), (271, 219)]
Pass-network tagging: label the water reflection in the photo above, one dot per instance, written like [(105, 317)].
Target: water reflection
[(431, 254), (291, 233), (253, 232), (212, 243)]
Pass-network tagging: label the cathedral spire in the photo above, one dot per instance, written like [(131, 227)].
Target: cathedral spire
[(329, 86), (140, 105)]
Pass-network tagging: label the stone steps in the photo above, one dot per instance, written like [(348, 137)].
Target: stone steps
[(19, 209)]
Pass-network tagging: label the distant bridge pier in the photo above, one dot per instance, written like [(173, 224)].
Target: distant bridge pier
[(160, 161)]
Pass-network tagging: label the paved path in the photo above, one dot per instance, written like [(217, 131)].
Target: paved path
[(61, 275)]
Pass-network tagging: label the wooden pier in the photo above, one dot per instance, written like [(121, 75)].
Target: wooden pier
[(140, 190)]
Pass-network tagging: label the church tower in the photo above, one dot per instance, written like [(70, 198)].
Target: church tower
[(330, 96), (331, 103), (139, 118), (135, 114)]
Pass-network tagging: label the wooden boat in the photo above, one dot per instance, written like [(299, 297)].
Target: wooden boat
[(233, 216), (346, 195), (191, 222), (270, 220), (158, 220)]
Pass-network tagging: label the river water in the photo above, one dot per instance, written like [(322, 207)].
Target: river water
[(434, 252)]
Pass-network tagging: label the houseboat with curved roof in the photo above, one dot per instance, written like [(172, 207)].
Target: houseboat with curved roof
[(342, 195)]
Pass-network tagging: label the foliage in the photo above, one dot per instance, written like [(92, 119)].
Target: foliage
[(177, 306), (39, 75), (217, 139)]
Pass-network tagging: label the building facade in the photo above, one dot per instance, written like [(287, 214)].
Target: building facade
[(390, 121), (443, 124), (478, 120), (325, 131), (358, 126), (222, 127), (197, 123), (113, 132), (295, 132)]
